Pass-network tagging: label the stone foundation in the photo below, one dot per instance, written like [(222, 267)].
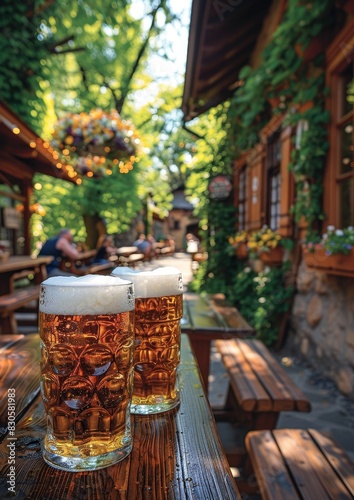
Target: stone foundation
[(322, 325)]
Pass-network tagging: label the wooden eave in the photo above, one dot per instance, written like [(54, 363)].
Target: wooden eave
[(24, 154), (220, 43)]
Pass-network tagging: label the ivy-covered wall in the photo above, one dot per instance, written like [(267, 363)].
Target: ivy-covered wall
[(298, 84)]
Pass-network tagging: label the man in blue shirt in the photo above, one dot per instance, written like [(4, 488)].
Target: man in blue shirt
[(60, 246)]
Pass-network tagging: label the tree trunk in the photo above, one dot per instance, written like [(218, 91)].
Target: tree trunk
[(95, 227)]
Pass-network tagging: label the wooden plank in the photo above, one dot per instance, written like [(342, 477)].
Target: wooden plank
[(245, 384), (19, 370), (311, 472), (100, 268), (272, 476), (20, 262), (338, 459), (6, 340), (301, 401), (19, 298), (281, 399)]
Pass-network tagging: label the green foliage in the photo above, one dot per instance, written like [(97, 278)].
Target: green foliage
[(74, 56), (283, 74), (334, 241), (262, 298), (61, 201), (21, 60)]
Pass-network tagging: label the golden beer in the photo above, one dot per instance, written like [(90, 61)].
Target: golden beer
[(158, 310), (87, 335)]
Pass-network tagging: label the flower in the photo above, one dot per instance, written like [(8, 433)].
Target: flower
[(96, 142), (263, 240), (240, 237), (334, 241)]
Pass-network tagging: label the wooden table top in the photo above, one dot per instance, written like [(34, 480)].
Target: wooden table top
[(18, 262), (176, 454), (126, 251), (211, 316)]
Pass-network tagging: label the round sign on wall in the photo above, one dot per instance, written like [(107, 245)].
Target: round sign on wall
[(220, 187)]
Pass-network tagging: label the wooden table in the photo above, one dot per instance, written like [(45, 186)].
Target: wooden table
[(16, 264), (126, 251), (84, 265), (209, 318), (129, 256), (176, 454)]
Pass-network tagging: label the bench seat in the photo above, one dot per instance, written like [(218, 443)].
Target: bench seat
[(259, 389), (105, 268), (11, 302), (299, 464), (130, 260)]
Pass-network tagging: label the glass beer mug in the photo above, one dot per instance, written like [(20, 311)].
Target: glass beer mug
[(158, 310), (87, 329)]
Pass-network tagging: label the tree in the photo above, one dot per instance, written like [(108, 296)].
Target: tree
[(75, 56)]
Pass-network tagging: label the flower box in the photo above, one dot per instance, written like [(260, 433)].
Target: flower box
[(241, 251), (273, 257), (341, 264)]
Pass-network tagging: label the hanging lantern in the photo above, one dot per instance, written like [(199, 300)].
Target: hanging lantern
[(96, 143)]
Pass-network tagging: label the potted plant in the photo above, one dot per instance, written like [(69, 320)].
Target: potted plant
[(268, 245), (96, 142), (239, 244), (334, 252)]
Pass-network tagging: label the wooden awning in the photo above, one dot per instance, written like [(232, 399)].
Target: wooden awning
[(222, 38), (23, 153)]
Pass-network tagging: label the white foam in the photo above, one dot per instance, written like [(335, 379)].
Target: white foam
[(86, 295), (160, 282)]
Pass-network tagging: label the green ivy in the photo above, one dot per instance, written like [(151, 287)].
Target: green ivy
[(22, 60), (262, 298), (283, 73)]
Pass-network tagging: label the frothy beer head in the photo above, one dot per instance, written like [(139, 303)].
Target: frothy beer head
[(161, 282), (86, 295)]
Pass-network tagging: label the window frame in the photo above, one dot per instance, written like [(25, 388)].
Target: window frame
[(273, 171), (339, 56)]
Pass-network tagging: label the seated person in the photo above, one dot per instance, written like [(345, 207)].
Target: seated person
[(192, 243), (170, 242), (153, 244), (105, 250), (143, 245), (60, 246)]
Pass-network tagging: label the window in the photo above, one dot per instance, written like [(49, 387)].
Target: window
[(345, 152), (339, 174), (242, 198), (273, 160)]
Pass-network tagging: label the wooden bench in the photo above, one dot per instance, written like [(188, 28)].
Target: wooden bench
[(14, 301), (105, 268), (167, 251), (259, 389), (299, 464)]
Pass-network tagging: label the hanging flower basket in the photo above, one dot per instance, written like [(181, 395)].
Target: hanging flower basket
[(96, 143)]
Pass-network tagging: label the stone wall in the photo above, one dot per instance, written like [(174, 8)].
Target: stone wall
[(322, 325)]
